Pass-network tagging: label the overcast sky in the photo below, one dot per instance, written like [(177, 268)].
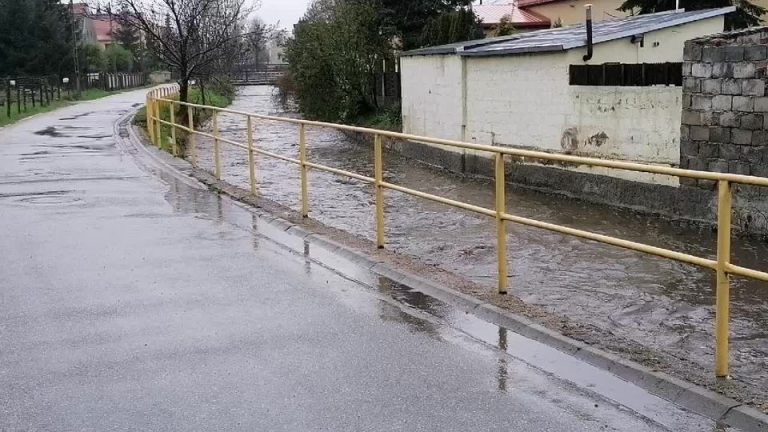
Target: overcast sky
[(287, 12)]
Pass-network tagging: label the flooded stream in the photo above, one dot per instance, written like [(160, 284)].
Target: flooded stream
[(656, 302)]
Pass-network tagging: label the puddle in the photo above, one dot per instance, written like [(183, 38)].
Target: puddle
[(43, 198), (49, 131), (77, 116)]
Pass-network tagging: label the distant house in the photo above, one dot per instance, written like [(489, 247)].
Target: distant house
[(491, 16), (547, 90), (571, 12), (96, 28), (275, 52), (763, 4)]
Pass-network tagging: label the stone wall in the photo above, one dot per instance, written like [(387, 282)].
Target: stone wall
[(725, 105)]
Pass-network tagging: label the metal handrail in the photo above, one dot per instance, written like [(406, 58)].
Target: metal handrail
[(722, 265)]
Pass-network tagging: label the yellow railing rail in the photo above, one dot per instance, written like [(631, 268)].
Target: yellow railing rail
[(722, 265)]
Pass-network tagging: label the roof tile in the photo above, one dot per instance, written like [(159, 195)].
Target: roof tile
[(492, 15)]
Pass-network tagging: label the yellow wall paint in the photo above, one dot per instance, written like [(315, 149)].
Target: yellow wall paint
[(660, 46), (763, 4), (572, 11)]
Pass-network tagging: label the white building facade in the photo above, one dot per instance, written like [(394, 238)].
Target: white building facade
[(518, 91)]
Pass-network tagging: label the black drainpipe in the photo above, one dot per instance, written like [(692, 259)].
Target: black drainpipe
[(588, 56)]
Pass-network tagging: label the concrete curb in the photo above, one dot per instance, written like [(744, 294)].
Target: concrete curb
[(694, 398)]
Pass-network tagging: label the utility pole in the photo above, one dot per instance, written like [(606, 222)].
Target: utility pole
[(75, 57), (112, 35)]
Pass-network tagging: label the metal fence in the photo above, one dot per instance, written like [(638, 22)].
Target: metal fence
[(20, 94), (722, 266), (264, 74), (114, 81)]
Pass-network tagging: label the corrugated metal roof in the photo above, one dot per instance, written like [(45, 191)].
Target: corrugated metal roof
[(492, 15), (565, 38)]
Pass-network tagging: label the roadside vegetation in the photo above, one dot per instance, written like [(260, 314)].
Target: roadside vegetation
[(340, 46), (204, 43), (67, 100), (219, 95)]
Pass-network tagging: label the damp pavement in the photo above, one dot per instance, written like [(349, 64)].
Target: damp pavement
[(658, 303), (130, 300)]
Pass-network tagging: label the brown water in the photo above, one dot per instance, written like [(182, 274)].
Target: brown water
[(657, 302)]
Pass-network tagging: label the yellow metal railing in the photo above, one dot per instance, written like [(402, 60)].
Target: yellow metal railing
[(722, 265)]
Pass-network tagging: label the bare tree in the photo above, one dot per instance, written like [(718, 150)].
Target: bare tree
[(259, 33), (197, 38)]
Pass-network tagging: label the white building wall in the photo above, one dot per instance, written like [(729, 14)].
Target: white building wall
[(526, 101), (660, 46), (517, 101), (432, 96), (631, 123)]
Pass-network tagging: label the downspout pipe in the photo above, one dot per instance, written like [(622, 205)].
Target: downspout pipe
[(590, 46)]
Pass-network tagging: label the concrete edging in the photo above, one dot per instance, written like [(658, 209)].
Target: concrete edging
[(684, 394)]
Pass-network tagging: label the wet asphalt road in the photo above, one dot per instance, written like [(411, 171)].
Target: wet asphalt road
[(129, 302)]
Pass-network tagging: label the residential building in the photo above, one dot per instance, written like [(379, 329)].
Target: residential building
[(571, 12), (275, 52), (491, 16), (764, 5), (549, 90), (97, 28)]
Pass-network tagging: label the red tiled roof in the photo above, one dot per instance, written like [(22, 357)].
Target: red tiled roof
[(105, 28), (491, 15), (528, 3), (81, 9)]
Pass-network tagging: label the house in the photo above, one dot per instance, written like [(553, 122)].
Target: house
[(763, 4), (491, 16), (571, 12), (105, 27), (275, 52), (547, 90), (96, 28)]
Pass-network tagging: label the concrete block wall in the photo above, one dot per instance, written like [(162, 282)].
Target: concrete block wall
[(725, 105)]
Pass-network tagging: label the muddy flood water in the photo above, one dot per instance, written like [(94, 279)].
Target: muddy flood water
[(657, 302)]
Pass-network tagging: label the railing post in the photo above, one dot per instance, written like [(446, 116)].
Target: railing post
[(304, 179), (216, 146), (501, 227), (723, 290), (378, 165), (158, 126), (150, 111), (174, 146), (192, 138), (251, 159)]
